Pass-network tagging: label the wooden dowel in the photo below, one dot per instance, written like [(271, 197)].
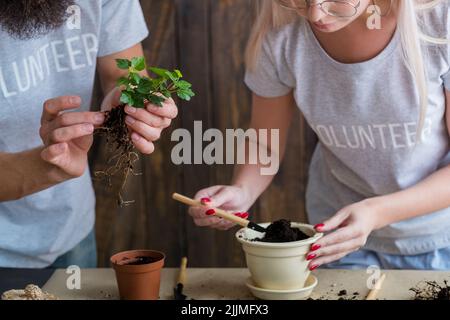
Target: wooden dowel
[(186, 200), (183, 268), (376, 289), (219, 212)]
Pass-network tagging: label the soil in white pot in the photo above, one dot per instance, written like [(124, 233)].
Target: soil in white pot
[(281, 231)]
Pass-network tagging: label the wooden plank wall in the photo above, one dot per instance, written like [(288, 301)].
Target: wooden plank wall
[(206, 39)]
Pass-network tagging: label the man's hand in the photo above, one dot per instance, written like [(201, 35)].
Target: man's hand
[(67, 136), (145, 124)]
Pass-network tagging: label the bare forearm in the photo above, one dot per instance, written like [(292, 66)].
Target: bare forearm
[(431, 194), (25, 173), (275, 116), (249, 178), (253, 177)]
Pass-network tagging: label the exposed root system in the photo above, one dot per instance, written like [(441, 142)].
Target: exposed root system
[(119, 144)]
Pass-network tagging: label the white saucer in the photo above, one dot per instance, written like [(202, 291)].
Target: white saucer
[(295, 294)]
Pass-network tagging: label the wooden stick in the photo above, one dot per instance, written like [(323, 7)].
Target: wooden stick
[(182, 275), (219, 212), (376, 289)]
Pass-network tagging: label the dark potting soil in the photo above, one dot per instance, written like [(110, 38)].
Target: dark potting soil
[(432, 291), (281, 231), (140, 260), (342, 293)]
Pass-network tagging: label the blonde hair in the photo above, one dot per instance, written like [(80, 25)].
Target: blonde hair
[(273, 16)]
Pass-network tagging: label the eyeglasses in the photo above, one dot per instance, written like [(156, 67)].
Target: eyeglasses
[(335, 8)]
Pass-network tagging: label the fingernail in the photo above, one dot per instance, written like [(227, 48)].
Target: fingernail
[(210, 212), (135, 137), (88, 128), (244, 215), (238, 214), (129, 109), (318, 226), (60, 147), (50, 106), (311, 256), (315, 247), (99, 118), (205, 200), (75, 100), (152, 107), (313, 267), (129, 120)]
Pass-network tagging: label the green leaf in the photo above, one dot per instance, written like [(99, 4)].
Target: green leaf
[(183, 84), (166, 93), (171, 76), (122, 81), (140, 89), (178, 73), (156, 100), (145, 86), (123, 64), (139, 101), (138, 63), (159, 72), (190, 92), (185, 94), (136, 77), (126, 98)]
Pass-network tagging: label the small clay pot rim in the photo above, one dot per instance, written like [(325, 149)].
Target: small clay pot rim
[(142, 268), (278, 245)]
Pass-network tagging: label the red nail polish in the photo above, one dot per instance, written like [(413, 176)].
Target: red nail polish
[(238, 214), (210, 212), (245, 215), (315, 247), (313, 267), (320, 225), (311, 256), (203, 200)]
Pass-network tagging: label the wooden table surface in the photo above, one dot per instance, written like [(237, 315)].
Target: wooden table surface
[(229, 283)]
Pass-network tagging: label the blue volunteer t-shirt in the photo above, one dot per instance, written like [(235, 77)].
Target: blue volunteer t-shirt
[(36, 229)]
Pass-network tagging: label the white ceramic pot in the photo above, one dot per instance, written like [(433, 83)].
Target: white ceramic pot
[(278, 266), (296, 294)]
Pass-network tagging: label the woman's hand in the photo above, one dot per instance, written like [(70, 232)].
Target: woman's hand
[(230, 198), (352, 226), (146, 124)]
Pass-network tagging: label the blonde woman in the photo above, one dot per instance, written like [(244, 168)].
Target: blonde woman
[(377, 98)]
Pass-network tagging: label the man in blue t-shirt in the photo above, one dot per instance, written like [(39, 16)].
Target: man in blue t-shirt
[(50, 52)]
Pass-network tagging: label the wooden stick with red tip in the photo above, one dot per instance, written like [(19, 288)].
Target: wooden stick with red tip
[(219, 213)]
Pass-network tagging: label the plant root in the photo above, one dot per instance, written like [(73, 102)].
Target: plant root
[(123, 157)]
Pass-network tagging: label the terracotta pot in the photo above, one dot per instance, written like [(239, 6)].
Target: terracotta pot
[(138, 282)]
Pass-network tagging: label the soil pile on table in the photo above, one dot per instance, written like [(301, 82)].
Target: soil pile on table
[(432, 291), (281, 231)]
